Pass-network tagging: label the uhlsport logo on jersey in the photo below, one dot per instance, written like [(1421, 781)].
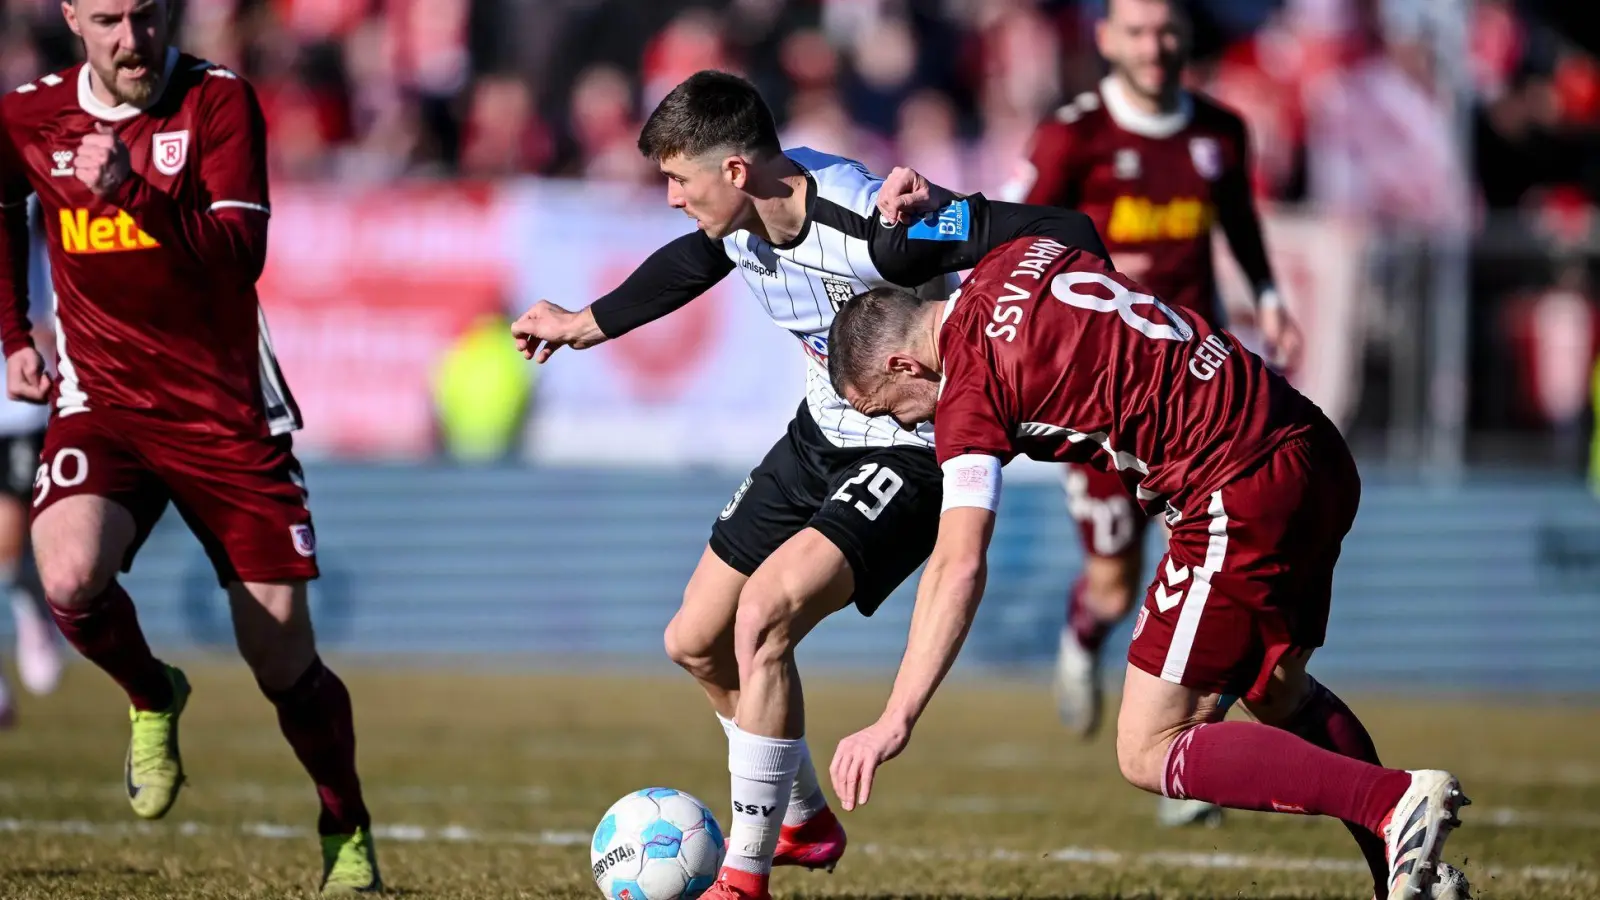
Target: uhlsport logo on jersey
[(952, 223), (305, 540), (85, 233), (169, 150), (737, 496)]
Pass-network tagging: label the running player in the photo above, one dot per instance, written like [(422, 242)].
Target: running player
[(150, 168), (1047, 351), (1154, 166), (22, 424), (844, 506)]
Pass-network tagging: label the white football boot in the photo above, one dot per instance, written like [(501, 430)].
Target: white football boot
[(1414, 835), (39, 660), (1077, 686), (1172, 812)]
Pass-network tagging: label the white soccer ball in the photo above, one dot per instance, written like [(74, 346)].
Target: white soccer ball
[(656, 844)]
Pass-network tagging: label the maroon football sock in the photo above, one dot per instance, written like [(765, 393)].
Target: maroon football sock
[(1327, 722), (1086, 624), (314, 714), (1247, 765), (106, 631)]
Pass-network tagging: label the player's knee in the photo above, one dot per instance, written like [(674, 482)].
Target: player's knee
[(762, 629), (693, 650), (73, 577), (1141, 760)]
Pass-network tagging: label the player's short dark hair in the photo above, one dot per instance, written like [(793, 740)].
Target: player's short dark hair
[(865, 331), (708, 111)]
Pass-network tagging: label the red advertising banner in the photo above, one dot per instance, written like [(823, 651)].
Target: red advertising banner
[(365, 291)]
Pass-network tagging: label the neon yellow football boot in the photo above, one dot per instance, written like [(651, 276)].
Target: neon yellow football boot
[(153, 770), (350, 864)]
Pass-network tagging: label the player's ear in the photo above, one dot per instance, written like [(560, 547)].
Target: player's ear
[(903, 363), (70, 13), (737, 171)]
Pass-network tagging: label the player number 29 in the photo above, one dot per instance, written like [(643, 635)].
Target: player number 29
[(1123, 302), (68, 469), (884, 485)]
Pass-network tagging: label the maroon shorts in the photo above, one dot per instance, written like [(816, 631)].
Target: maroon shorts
[(1109, 521), (244, 498), (1248, 573)]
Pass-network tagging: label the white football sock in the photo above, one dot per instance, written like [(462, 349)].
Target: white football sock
[(805, 798), (762, 770)]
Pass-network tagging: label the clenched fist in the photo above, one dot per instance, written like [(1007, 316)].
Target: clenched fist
[(101, 161)]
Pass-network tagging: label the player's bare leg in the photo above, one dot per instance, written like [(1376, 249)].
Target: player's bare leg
[(1171, 740), (1101, 597), (272, 625), (79, 543), (804, 582), (700, 636), (700, 639)]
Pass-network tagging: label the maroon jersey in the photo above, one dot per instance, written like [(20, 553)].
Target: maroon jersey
[(155, 283), (1152, 184), (1049, 353)]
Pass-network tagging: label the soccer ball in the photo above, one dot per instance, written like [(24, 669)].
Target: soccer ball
[(656, 844)]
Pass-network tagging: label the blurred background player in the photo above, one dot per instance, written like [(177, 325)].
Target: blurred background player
[(150, 168), (1155, 166), (39, 661)]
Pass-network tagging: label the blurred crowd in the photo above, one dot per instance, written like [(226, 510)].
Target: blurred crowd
[(1355, 105)]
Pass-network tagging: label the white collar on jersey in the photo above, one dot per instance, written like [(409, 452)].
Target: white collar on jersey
[(121, 113), (1130, 118)]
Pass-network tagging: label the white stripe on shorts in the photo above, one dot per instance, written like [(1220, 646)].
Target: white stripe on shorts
[(1194, 606)]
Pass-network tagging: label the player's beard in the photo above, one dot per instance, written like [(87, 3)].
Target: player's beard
[(134, 91), (1150, 81)]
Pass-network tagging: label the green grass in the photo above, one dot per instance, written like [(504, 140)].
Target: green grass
[(498, 779)]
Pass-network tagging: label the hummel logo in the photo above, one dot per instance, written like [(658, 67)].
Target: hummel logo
[(1176, 576), (63, 161)]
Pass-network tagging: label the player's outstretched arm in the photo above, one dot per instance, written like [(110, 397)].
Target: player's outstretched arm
[(672, 276), (1241, 224), (963, 231), (947, 601)]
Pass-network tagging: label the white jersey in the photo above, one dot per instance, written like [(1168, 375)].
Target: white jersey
[(804, 282), (18, 418)]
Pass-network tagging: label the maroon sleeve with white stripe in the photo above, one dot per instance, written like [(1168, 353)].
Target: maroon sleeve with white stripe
[(227, 235), (15, 331)]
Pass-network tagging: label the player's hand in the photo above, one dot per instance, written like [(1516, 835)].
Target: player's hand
[(26, 378), (1284, 341), (546, 328), (906, 192), (101, 160), (858, 757)]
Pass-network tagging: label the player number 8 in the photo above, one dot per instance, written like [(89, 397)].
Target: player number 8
[(882, 486), (55, 472), (1123, 301)]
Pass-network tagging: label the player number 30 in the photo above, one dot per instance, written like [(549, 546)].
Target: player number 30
[(69, 468), (884, 485)]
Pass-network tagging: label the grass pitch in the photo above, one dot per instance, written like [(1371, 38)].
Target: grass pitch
[(488, 785)]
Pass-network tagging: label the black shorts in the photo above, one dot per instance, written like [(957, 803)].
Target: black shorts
[(19, 459), (878, 505)]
